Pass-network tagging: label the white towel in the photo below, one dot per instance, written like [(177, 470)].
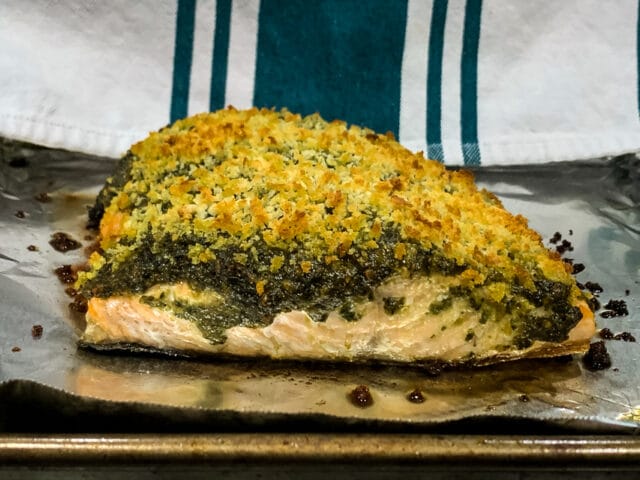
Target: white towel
[(475, 82)]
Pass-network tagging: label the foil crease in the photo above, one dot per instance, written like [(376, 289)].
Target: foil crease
[(593, 204)]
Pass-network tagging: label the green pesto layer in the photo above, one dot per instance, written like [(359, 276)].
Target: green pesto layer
[(335, 286)]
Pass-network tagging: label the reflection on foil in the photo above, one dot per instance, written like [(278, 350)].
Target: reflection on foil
[(287, 387), (166, 389), (618, 252), (594, 204)]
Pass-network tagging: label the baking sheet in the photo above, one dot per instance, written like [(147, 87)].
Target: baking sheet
[(595, 205)]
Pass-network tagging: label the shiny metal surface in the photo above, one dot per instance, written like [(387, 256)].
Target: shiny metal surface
[(512, 452), (594, 205)]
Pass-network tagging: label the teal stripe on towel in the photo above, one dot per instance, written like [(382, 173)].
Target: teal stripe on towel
[(182, 57), (469, 83), (220, 55), (434, 80), (341, 58)]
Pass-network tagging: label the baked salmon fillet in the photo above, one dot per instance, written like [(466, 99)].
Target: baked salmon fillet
[(265, 233)]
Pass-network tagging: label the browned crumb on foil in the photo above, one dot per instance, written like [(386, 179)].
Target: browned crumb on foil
[(606, 334), (565, 246), (66, 274), (416, 396), (32, 248), (361, 396), (615, 308), (42, 197), (72, 292), (79, 304), (16, 349), (577, 268), (20, 214), (593, 287), (594, 304), (625, 337), (597, 358), (36, 331), (63, 242)]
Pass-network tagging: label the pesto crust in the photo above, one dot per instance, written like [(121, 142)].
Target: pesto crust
[(292, 182), (279, 212)]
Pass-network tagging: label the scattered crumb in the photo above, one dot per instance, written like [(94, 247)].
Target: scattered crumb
[(578, 267), (524, 398), (615, 308), (361, 396), (416, 396), (16, 349), (20, 214), (79, 304), (36, 331), (32, 248), (556, 237), (593, 287), (66, 274), (606, 334), (63, 242), (597, 358), (43, 197), (72, 292), (625, 337), (564, 247), (594, 304)]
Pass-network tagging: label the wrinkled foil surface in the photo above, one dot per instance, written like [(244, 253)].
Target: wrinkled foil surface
[(595, 205)]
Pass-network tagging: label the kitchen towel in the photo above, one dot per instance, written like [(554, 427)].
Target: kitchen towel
[(473, 82)]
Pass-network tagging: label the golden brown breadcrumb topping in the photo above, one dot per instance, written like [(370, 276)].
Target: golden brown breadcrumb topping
[(300, 183)]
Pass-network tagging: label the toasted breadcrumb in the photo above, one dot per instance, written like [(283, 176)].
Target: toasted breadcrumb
[(244, 177)]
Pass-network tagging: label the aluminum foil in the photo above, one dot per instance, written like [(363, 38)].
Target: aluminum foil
[(595, 205)]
